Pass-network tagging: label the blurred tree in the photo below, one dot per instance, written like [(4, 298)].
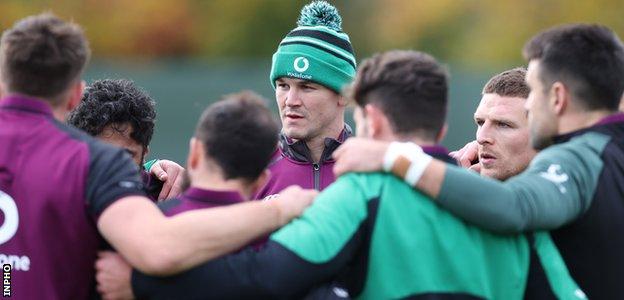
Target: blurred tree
[(483, 33)]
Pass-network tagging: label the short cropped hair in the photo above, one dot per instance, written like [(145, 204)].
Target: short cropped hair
[(116, 102), (239, 134), (42, 55), (589, 59), (409, 87), (510, 83)]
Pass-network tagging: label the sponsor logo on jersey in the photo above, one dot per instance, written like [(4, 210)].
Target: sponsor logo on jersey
[(11, 217), (555, 175), (17, 262)]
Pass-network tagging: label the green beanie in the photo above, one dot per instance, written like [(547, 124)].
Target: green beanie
[(317, 50)]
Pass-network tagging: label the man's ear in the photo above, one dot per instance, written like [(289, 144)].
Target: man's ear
[(442, 133), (75, 95), (342, 101), (196, 154), (560, 97), (376, 121)]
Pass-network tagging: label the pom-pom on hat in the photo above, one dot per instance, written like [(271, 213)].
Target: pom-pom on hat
[(317, 50)]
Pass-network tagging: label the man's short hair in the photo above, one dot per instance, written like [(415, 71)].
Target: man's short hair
[(42, 55), (239, 134), (115, 102), (410, 88), (589, 59), (510, 83)]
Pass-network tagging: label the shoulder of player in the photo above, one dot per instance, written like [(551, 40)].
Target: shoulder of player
[(370, 185), (98, 151), (94, 144), (578, 150), (73, 132), (588, 144)]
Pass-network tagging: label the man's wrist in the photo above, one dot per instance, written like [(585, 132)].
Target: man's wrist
[(275, 211), (406, 161)]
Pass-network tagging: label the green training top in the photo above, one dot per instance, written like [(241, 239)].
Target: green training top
[(557, 187), (377, 238)]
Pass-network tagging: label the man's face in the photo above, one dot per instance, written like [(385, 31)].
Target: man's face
[(307, 110), (119, 135), (503, 136), (542, 119)]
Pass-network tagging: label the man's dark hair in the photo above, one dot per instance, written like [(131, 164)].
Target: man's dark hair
[(410, 88), (588, 59), (42, 55), (239, 134), (510, 83), (116, 103)]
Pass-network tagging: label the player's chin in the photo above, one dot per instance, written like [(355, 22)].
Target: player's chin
[(294, 133), (489, 172)]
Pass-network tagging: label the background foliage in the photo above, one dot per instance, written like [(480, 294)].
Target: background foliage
[(186, 53)]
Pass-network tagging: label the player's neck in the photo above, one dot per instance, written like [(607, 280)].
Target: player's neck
[(60, 114), (216, 182), (416, 139), (317, 144), (579, 120)]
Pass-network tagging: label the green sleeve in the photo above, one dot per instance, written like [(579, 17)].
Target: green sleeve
[(329, 224), (556, 188), (148, 165)]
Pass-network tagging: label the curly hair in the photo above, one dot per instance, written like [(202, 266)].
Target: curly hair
[(115, 102)]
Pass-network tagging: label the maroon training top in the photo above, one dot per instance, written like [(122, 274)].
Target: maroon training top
[(54, 183)]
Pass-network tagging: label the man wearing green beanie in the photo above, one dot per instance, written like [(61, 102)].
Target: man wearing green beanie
[(310, 67)]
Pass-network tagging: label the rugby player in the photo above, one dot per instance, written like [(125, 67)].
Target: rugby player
[(371, 234), (121, 114), (502, 148), (310, 67), (573, 187), (60, 188)]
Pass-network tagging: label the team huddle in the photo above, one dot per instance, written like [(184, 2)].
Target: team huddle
[(529, 209)]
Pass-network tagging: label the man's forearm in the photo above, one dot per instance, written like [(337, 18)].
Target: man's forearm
[(273, 272), (161, 246), (522, 204), (527, 204), (216, 279)]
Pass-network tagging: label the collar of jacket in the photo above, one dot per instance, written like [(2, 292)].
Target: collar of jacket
[(300, 152), (616, 119)]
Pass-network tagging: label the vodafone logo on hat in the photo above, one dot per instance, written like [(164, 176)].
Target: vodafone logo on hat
[(301, 64)]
